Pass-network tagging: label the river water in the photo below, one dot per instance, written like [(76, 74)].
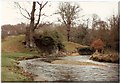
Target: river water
[(66, 72)]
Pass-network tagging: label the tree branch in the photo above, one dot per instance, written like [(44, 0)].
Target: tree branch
[(43, 24), (24, 15), (20, 9), (38, 19), (41, 7)]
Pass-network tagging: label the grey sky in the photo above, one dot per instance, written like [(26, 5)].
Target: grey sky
[(11, 15)]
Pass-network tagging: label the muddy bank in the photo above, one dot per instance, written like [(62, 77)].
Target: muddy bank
[(45, 71)]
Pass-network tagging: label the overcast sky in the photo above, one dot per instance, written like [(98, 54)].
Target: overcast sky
[(104, 9)]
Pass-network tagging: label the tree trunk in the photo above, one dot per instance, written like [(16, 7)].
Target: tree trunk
[(30, 29), (68, 33), (32, 38), (27, 37), (96, 51)]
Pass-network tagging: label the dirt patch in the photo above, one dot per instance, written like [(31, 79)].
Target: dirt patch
[(75, 63)]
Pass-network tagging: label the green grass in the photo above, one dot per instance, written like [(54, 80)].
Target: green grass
[(8, 75), (71, 46), (10, 71), (14, 56)]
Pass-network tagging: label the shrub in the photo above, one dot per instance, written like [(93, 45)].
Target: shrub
[(97, 44), (49, 41), (85, 51)]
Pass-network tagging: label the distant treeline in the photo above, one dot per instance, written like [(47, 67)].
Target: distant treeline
[(8, 30), (106, 31)]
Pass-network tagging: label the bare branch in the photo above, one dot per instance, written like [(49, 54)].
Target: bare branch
[(41, 7), (43, 24), (24, 15), (39, 3), (20, 9), (64, 20), (44, 4), (27, 12), (38, 18)]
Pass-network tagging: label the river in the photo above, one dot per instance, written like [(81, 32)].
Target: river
[(45, 71)]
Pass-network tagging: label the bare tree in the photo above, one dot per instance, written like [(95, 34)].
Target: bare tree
[(30, 30), (95, 18), (114, 31), (68, 13)]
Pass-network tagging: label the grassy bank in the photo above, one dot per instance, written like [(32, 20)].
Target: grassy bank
[(10, 70), (71, 46), (12, 49), (14, 44)]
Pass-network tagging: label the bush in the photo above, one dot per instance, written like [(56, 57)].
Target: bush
[(49, 41), (85, 51), (97, 44)]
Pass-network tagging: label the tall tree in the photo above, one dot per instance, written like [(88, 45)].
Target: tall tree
[(95, 18), (30, 30), (68, 13), (114, 31)]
